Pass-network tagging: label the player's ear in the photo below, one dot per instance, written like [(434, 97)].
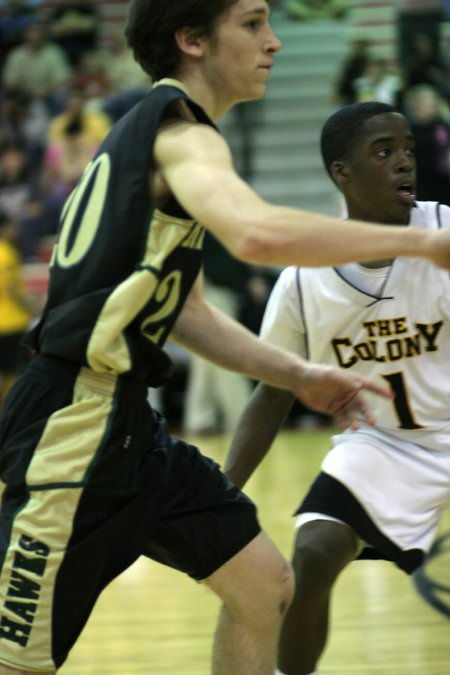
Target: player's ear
[(189, 43), (340, 172)]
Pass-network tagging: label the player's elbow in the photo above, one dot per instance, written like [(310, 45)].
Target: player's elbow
[(255, 245)]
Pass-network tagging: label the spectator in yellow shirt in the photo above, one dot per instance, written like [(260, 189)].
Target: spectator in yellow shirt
[(14, 310), (93, 123), (74, 137)]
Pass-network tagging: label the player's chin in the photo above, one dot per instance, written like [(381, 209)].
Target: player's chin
[(405, 202), (397, 212), (256, 92)]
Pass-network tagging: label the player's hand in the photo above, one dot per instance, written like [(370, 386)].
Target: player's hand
[(339, 393)]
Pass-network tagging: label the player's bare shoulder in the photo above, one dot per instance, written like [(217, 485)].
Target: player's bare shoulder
[(177, 116), (181, 140)]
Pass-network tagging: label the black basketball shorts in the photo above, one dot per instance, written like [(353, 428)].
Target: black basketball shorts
[(94, 480)]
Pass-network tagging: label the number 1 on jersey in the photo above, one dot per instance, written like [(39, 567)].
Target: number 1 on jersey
[(401, 403)]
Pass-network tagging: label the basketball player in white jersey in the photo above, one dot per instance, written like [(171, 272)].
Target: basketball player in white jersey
[(382, 489)]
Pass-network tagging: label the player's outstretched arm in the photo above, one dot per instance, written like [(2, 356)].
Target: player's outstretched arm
[(196, 165), (263, 416), (205, 330), (325, 389)]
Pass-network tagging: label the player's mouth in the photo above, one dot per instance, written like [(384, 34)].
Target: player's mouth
[(407, 192)]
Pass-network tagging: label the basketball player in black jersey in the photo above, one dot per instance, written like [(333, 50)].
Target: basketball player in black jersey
[(93, 478)]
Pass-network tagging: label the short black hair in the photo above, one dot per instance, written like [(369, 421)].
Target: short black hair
[(342, 131), (152, 24)]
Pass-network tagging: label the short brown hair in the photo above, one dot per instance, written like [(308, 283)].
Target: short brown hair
[(152, 24)]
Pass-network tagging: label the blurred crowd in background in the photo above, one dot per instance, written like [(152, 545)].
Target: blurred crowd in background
[(64, 83), (60, 93), (420, 88)]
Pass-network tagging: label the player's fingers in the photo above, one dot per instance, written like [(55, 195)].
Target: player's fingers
[(344, 421), (352, 411), (368, 385), (366, 412)]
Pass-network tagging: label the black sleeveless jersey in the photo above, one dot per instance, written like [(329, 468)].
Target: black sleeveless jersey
[(121, 268)]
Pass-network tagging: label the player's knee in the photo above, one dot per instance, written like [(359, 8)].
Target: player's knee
[(310, 563), (281, 587), (270, 593), (318, 558), (257, 584), (271, 584)]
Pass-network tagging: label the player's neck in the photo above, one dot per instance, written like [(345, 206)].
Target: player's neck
[(206, 95), (376, 264)]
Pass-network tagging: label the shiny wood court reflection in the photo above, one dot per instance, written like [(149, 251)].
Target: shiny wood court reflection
[(154, 621)]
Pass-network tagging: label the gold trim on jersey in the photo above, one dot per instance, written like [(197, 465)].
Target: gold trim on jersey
[(168, 232), (171, 82), (42, 529), (108, 349)]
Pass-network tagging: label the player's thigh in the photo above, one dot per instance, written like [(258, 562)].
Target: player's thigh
[(205, 519)]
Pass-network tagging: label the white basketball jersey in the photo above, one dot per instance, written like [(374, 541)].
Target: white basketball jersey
[(391, 325)]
